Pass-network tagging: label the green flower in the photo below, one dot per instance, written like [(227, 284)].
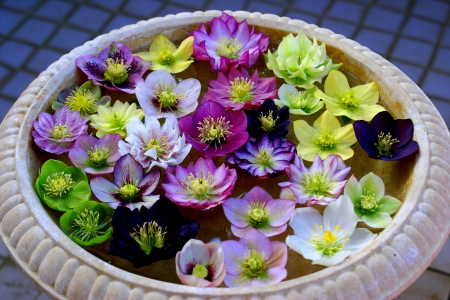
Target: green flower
[(299, 61), (62, 187), (325, 137), (299, 102), (88, 224), (115, 119), (370, 203), (356, 103), (164, 54)]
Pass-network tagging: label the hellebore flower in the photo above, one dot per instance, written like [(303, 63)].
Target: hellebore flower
[(254, 260), (356, 103), (164, 54), (268, 119), (260, 211), (144, 236), (200, 185), (385, 138), (84, 99), (370, 203), (62, 187), (88, 224), (130, 187), (229, 44), (161, 96), (236, 89), (264, 156), (299, 103), (201, 265), (57, 133), (96, 156), (321, 184), (214, 131), (327, 240), (299, 61), (325, 137), (115, 68), (115, 119), (154, 145)]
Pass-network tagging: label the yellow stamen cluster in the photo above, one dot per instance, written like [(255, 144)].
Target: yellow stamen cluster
[(81, 100), (254, 264), (317, 183), (98, 156), (129, 190), (148, 236), (385, 143), (167, 99), (200, 185), (327, 241), (240, 89), (264, 157), (325, 139), (214, 131), (88, 227), (160, 144), (228, 47), (267, 121), (200, 271), (258, 214), (116, 71), (60, 131), (368, 202), (58, 184), (349, 100), (300, 100), (165, 55)]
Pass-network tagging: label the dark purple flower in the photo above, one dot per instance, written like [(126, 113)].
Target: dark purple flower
[(228, 44), (115, 68), (385, 138), (214, 131), (264, 156), (236, 89), (144, 236)]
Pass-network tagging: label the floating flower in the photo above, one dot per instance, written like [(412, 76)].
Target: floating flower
[(327, 240), (299, 103), (57, 133), (161, 96), (88, 224), (154, 145), (144, 236), (268, 119), (370, 203), (229, 44), (263, 157), (115, 119), (200, 185), (356, 103), (164, 54), (115, 68), (260, 211), (214, 131), (299, 61), (254, 260), (62, 187), (325, 137), (201, 265), (130, 187), (236, 89), (321, 184), (385, 138)]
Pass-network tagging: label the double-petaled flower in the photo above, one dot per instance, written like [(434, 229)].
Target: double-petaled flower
[(298, 102)]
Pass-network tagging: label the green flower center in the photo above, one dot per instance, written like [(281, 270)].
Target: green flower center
[(240, 88), (59, 132), (200, 271), (148, 236), (254, 264), (267, 121), (228, 47), (58, 184), (116, 71), (325, 140), (98, 156), (258, 214), (367, 202), (116, 119), (317, 183), (165, 56), (129, 191), (385, 143), (349, 100), (214, 131), (300, 100), (88, 227), (81, 100), (264, 157), (160, 144), (327, 241), (199, 185)]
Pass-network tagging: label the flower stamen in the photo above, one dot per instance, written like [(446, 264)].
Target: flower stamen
[(317, 183), (116, 71), (254, 264), (349, 100), (60, 131), (200, 271), (150, 235), (214, 131), (98, 156), (129, 190), (267, 121), (327, 241), (368, 202), (58, 184), (165, 55), (228, 47), (258, 213), (88, 227), (199, 185), (81, 100), (385, 143), (240, 89), (326, 140)]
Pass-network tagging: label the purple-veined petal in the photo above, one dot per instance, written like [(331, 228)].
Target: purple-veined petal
[(127, 170), (104, 190)]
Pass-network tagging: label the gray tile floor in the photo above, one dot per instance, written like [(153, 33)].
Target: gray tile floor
[(412, 34)]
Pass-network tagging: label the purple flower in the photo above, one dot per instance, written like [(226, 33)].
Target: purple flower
[(201, 265), (214, 131), (260, 211), (57, 133), (96, 156), (130, 187), (385, 138), (254, 260), (229, 44), (236, 89), (264, 156), (321, 184), (115, 68), (200, 185)]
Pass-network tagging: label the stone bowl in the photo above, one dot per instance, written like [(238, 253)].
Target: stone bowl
[(381, 270)]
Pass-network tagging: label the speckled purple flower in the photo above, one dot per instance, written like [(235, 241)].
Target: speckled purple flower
[(57, 133), (228, 44), (115, 68)]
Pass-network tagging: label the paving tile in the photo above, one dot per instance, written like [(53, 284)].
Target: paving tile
[(265, 8), (14, 284), (308, 18), (442, 261), (436, 84), (224, 5), (89, 18), (42, 59), (43, 296), (421, 29), (68, 38), (144, 9), (384, 19), (24, 6), (14, 87), (413, 72), (119, 21), (9, 20), (339, 27), (430, 285), (14, 53), (413, 51), (442, 60), (347, 11), (55, 10), (197, 4), (397, 4), (110, 4), (5, 106), (436, 10), (171, 9), (4, 72), (35, 31), (313, 7), (377, 41), (446, 37)]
